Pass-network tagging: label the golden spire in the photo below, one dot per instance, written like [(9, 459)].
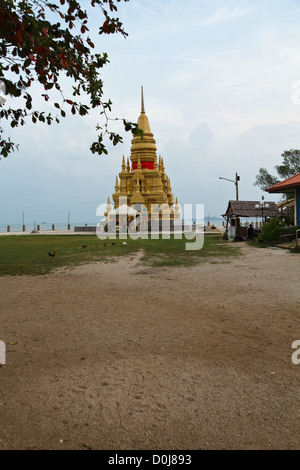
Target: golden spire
[(143, 146), (142, 101), (168, 185), (123, 164), (159, 164), (177, 210), (117, 185), (108, 205), (143, 178), (137, 197)]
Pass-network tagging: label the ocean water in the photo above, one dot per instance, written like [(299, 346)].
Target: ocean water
[(217, 222), (43, 226)]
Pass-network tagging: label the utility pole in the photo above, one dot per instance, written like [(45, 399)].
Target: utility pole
[(237, 179), (236, 182)]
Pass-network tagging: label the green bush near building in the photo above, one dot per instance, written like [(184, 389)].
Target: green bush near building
[(271, 232)]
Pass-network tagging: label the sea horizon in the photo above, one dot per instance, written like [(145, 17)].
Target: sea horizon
[(45, 226)]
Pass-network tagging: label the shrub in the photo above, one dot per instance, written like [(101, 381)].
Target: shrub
[(271, 231)]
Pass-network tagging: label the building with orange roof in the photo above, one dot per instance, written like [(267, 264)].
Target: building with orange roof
[(290, 186)]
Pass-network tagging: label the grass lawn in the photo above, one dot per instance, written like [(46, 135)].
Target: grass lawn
[(28, 254)]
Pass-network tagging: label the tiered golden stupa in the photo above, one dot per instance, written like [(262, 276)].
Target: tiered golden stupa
[(145, 181)]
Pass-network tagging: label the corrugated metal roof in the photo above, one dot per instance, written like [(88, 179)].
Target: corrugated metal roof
[(289, 183)]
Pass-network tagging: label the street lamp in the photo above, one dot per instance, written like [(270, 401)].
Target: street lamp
[(261, 206), (237, 179)]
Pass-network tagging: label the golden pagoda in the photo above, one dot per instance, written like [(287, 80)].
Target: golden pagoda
[(143, 180)]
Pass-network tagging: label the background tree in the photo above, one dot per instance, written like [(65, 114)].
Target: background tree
[(289, 167), (42, 42)]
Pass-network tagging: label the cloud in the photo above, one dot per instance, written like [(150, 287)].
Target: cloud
[(227, 14), (201, 136), (195, 166), (218, 93), (292, 54)]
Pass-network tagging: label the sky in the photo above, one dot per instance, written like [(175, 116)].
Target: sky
[(221, 83)]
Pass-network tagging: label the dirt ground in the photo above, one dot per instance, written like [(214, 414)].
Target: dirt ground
[(120, 356)]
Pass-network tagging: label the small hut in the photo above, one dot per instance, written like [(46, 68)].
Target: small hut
[(237, 210)]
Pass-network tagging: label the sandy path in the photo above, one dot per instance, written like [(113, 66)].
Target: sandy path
[(119, 356)]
